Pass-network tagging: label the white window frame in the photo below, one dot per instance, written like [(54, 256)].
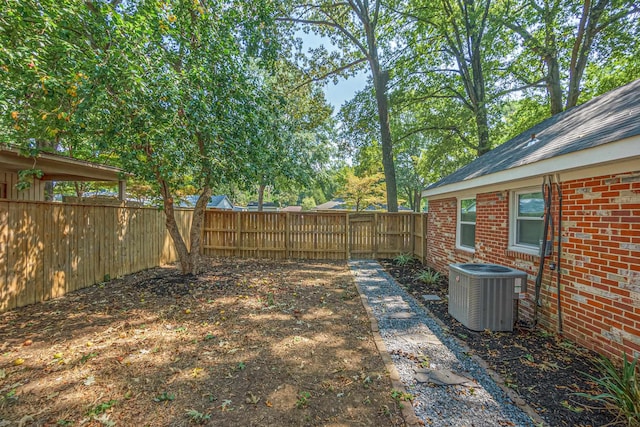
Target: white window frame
[(513, 222), (459, 223)]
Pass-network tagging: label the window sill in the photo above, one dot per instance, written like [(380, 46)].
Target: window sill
[(520, 252), (470, 251)]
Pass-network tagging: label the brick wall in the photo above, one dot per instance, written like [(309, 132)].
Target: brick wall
[(600, 266)]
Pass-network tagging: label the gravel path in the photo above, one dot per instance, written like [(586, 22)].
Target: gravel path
[(449, 387)]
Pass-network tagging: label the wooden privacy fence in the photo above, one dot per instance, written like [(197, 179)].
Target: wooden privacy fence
[(49, 249), (303, 235)]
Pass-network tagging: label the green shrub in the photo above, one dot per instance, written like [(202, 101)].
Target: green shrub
[(621, 389), (403, 259), (429, 277)]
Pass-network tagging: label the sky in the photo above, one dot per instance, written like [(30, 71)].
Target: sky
[(336, 94)]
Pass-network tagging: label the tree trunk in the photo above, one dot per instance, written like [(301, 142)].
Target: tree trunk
[(410, 196), (587, 31), (380, 78), (554, 86), (417, 200), (195, 235), (189, 259), (261, 188), (482, 126)]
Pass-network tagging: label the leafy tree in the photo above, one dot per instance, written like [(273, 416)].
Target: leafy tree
[(170, 87), (355, 27), (566, 35), (297, 140), (308, 203), (360, 192)]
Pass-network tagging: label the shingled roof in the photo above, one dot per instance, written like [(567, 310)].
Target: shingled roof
[(611, 117)]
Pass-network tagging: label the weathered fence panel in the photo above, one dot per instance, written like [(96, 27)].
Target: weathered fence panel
[(49, 249), (307, 235)]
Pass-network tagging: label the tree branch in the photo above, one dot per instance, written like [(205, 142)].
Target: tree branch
[(330, 73)]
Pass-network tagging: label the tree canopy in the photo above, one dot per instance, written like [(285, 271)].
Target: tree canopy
[(197, 96)]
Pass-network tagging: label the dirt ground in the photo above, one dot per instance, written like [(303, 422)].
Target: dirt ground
[(546, 371), (248, 343)]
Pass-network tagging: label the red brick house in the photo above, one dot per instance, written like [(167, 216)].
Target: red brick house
[(578, 172)]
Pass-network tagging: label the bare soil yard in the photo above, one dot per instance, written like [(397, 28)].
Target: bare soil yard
[(248, 343)]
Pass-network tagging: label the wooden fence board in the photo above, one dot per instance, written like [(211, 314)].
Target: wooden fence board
[(49, 249)]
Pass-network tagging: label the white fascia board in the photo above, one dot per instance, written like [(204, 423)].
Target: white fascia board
[(579, 164)]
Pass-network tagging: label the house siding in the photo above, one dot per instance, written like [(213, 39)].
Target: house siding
[(34, 193), (600, 264)]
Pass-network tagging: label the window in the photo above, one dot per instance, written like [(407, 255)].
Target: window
[(3, 190), (467, 224), (527, 219)]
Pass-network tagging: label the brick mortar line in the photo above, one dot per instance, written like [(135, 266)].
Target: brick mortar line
[(407, 410)]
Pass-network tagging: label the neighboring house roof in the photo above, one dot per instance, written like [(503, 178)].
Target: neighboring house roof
[(340, 205), (220, 202), (215, 202), (266, 206), (335, 204), (56, 167), (609, 118)]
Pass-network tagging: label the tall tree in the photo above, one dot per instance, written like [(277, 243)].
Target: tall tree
[(168, 87), (355, 25), (563, 34), (455, 53)]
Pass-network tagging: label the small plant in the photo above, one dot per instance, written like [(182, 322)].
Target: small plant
[(303, 399), (270, 300), (403, 259), (101, 408), (86, 357), (400, 396), (621, 389), (565, 404), (429, 277), (198, 417), (164, 397)]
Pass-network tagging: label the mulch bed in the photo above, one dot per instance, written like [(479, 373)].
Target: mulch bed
[(545, 370), (247, 343)]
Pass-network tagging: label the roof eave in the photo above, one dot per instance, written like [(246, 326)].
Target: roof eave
[(627, 150)]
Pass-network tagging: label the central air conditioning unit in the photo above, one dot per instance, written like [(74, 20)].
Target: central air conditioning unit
[(481, 296)]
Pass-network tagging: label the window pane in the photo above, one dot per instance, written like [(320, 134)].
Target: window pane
[(468, 235), (529, 232), (530, 205), (468, 210)]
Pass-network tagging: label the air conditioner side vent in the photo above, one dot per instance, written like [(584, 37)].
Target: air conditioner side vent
[(481, 296)]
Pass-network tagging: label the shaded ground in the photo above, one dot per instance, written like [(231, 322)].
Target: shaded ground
[(543, 370), (247, 343)]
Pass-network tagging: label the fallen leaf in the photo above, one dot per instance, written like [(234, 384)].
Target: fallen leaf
[(19, 361), (27, 343), (268, 404)]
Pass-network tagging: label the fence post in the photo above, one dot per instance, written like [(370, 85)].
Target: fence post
[(425, 246), (374, 232), (238, 233), (287, 235), (347, 237)]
